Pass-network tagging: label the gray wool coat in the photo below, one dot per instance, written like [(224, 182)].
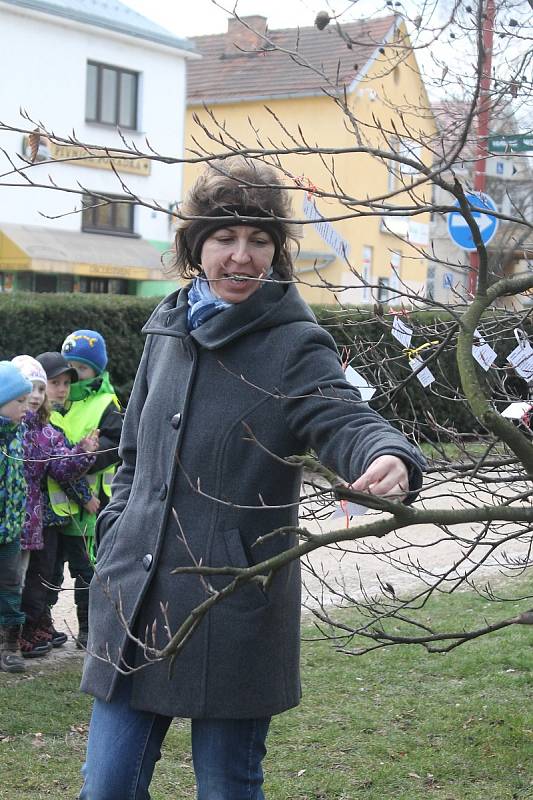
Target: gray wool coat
[(262, 366)]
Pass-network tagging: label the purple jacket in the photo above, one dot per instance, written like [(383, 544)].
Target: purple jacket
[(42, 444)]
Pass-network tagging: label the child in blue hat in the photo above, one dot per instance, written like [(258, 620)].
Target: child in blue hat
[(92, 404), (14, 392)]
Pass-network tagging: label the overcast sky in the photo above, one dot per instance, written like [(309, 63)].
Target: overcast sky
[(197, 17)]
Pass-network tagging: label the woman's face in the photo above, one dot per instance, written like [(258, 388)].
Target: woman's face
[(234, 259)]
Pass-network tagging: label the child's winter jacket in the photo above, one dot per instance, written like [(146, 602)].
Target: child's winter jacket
[(46, 453), (12, 481)]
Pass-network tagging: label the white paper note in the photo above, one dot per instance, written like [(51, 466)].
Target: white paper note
[(348, 510), (484, 355), (356, 379), (522, 360), (516, 410), (402, 332), (425, 376), (483, 352)]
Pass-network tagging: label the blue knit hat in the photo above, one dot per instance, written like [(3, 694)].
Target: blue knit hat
[(88, 347), (13, 384)]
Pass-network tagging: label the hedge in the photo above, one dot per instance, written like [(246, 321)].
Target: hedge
[(33, 323), (386, 365)]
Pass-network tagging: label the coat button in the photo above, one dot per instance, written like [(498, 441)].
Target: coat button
[(163, 492), (147, 561), (176, 421)]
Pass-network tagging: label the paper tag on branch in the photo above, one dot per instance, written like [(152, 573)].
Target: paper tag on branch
[(522, 360), (425, 376), (348, 510), (356, 379), (483, 352), (517, 410), (401, 332)]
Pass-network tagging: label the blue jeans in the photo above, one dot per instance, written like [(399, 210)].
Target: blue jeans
[(124, 746)]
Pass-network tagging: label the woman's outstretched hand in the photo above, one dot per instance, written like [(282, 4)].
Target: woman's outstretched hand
[(386, 476)]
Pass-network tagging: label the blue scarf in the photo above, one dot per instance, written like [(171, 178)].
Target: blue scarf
[(203, 304)]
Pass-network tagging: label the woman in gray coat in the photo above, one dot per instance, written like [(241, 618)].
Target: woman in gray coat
[(236, 376)]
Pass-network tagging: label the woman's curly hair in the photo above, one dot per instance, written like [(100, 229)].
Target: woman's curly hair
[(236, 182)]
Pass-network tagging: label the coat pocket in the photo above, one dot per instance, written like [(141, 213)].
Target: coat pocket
[(236, 557), (106, 535)]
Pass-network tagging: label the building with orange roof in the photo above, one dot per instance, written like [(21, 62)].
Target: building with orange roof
[(349, 90)]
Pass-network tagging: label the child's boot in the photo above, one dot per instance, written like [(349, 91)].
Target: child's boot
[(83, 623), (33, 644), (46, 624), (10, 657)]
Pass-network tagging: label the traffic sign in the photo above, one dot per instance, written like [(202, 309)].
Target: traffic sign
[(517, 143), (447, 280), (504, 167), (458, 229)]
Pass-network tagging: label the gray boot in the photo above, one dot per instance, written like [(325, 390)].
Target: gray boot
[(10, 657)]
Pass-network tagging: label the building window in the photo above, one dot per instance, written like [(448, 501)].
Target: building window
[(109, 214), (65, 284), (366, 272), (44, 282), (395, 267), (103, 285), (6, 282), (401, 175), (111, 97), (118, 286), (24, 282)]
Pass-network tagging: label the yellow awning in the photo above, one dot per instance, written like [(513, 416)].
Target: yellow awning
[(49, 250)]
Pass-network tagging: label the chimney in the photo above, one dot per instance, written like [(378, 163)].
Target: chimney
[(240, 38)]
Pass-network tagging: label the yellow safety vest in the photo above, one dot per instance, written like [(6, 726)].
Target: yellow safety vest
[(81, 419)]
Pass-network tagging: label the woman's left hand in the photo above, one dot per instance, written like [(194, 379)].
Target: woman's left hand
[(386, 476)]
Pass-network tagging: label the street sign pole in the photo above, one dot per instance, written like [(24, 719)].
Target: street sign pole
[(483, 126)]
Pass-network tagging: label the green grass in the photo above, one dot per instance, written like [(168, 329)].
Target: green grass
[(395, 724), (471, 448)]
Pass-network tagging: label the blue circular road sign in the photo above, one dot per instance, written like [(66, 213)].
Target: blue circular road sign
[(458, 229)]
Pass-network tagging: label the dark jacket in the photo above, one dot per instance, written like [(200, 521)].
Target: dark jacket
[(194, 486), (110, 429)]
